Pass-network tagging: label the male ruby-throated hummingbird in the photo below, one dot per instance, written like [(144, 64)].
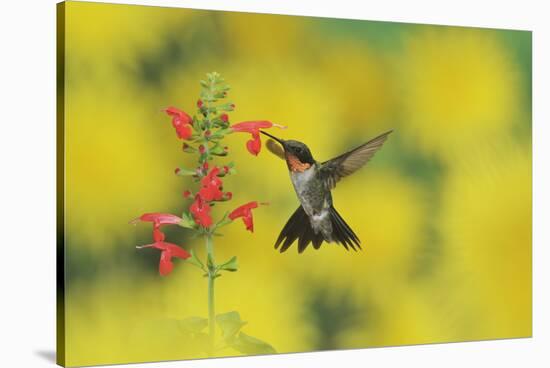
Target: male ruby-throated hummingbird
[(316, 220)]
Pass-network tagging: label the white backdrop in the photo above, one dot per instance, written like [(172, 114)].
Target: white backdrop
[(27, 206)]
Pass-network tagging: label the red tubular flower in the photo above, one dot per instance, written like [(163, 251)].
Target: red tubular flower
[(158, 219), (251, 126), (181, 121), (211, 184), (168, 250), (201, 211), (245, 211), (254, 145), (158, 235)]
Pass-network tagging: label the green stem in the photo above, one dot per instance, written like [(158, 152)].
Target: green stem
[(211, 309)]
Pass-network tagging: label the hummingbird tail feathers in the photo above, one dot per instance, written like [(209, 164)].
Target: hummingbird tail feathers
[(298, 227), (341, 232)]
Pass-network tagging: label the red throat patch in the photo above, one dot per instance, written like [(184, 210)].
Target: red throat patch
[(295, 165)]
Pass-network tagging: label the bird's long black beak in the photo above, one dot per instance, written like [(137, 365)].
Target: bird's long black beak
[(281, 141)]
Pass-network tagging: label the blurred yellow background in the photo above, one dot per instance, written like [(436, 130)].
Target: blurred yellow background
[(443, 210)]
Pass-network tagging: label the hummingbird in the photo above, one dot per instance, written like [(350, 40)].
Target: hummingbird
[(316, 220)]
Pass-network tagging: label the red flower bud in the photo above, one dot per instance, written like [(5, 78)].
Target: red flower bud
[(224, 117), (202, 149), (211, 189), (208, 133), (200, 210), (177, 170), (199, 103), (186, 194)]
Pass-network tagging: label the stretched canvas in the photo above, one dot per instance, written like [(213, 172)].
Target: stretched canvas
[(238, 184)]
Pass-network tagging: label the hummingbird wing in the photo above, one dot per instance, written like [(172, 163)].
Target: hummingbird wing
[(275, 148), (346, 164)]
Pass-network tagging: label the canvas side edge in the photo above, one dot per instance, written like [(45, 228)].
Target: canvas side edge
[(60, 184)]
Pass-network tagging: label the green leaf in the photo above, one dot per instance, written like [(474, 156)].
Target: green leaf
[(230, 323), (227, 107), (214, 77), (223, 132), (207, 97), (195, 261), (187, 221), (193, 324), (249, 345), (180, 171), (218, 150), (230, 265), (210, 262)]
